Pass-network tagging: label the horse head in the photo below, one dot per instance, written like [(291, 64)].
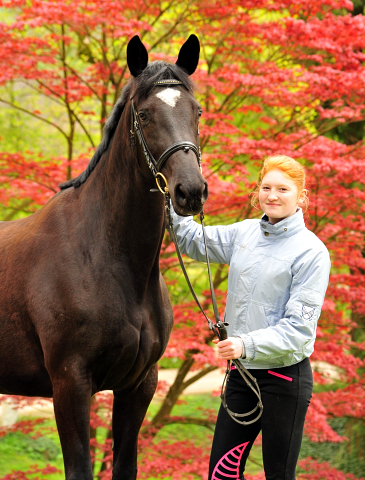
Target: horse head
[(165, 119)]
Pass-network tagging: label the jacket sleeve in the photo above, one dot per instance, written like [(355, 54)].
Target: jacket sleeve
[(297, 329), (189, 235)]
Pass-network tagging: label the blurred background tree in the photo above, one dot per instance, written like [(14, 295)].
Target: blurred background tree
[(274, 77)]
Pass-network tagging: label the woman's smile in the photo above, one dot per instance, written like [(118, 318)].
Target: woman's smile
[(278, 196)]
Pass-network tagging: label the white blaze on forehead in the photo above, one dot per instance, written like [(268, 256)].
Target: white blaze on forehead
[(169, 96)]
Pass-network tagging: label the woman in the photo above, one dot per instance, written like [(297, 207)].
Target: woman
[(277, 281)]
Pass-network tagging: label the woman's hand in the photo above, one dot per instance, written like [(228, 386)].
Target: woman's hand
[(230, 348)]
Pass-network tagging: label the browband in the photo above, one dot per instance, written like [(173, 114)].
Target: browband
[(168, 82)]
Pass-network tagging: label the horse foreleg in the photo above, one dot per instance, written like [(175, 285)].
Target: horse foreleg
[(129, 410), (71, 399)]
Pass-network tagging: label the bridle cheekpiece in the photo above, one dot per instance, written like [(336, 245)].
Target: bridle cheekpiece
[(156, 165)]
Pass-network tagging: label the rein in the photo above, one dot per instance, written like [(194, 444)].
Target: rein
[(219, 328)]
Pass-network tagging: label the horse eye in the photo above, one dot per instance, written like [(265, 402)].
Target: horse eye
[(142, 116), (200, 112)]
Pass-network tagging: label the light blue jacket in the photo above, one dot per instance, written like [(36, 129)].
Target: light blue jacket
[(278, 277)]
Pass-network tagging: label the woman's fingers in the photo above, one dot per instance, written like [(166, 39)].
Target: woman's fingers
[(230, 348)]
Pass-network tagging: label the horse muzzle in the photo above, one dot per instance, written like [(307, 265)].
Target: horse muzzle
[(188, 197)]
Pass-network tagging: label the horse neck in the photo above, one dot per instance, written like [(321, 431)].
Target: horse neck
[(132, 217)]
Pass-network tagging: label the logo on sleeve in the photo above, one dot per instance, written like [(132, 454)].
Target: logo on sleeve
[(307, 312)]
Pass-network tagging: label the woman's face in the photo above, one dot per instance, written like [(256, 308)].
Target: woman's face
[(278, 196)]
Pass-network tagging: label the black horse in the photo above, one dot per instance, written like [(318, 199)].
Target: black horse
[(83, 306)]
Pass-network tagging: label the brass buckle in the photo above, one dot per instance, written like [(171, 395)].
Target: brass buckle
[(166, 189)]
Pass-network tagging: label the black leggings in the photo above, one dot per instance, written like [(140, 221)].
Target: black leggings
[(285, 393)]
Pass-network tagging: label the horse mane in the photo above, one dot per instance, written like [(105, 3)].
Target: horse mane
[(154, 72)]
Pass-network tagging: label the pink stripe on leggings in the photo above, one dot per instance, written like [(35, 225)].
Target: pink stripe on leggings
[(280, 375)]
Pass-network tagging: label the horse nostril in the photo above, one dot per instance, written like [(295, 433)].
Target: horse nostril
[(204, 195), (180, 196)]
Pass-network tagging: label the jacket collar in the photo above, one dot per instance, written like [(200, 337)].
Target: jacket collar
[(285, 228)]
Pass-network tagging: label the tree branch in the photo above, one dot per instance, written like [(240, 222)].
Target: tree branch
[(198, 376), (188, 421), (35, 116)]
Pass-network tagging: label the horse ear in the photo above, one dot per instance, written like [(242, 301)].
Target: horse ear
[(137, 56), (188, 58)]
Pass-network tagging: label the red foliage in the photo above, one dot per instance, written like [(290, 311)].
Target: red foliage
[(30, 474), (178, 460), (275, 77), (322, 471)]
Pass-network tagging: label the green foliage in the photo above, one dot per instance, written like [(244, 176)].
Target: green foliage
[(188, 406), (346, 456), (41, 448), (359, 7), (19, 452), (328, 387), (170, 362)]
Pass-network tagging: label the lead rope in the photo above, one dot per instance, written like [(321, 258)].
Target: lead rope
[(220, 327)]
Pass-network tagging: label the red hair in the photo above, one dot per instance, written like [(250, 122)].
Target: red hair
[(292, 169)]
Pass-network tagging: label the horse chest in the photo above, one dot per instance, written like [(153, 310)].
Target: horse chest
[(130, 348)]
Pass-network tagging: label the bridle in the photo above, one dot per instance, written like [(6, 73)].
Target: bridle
[(219, 328), (156, 165)]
